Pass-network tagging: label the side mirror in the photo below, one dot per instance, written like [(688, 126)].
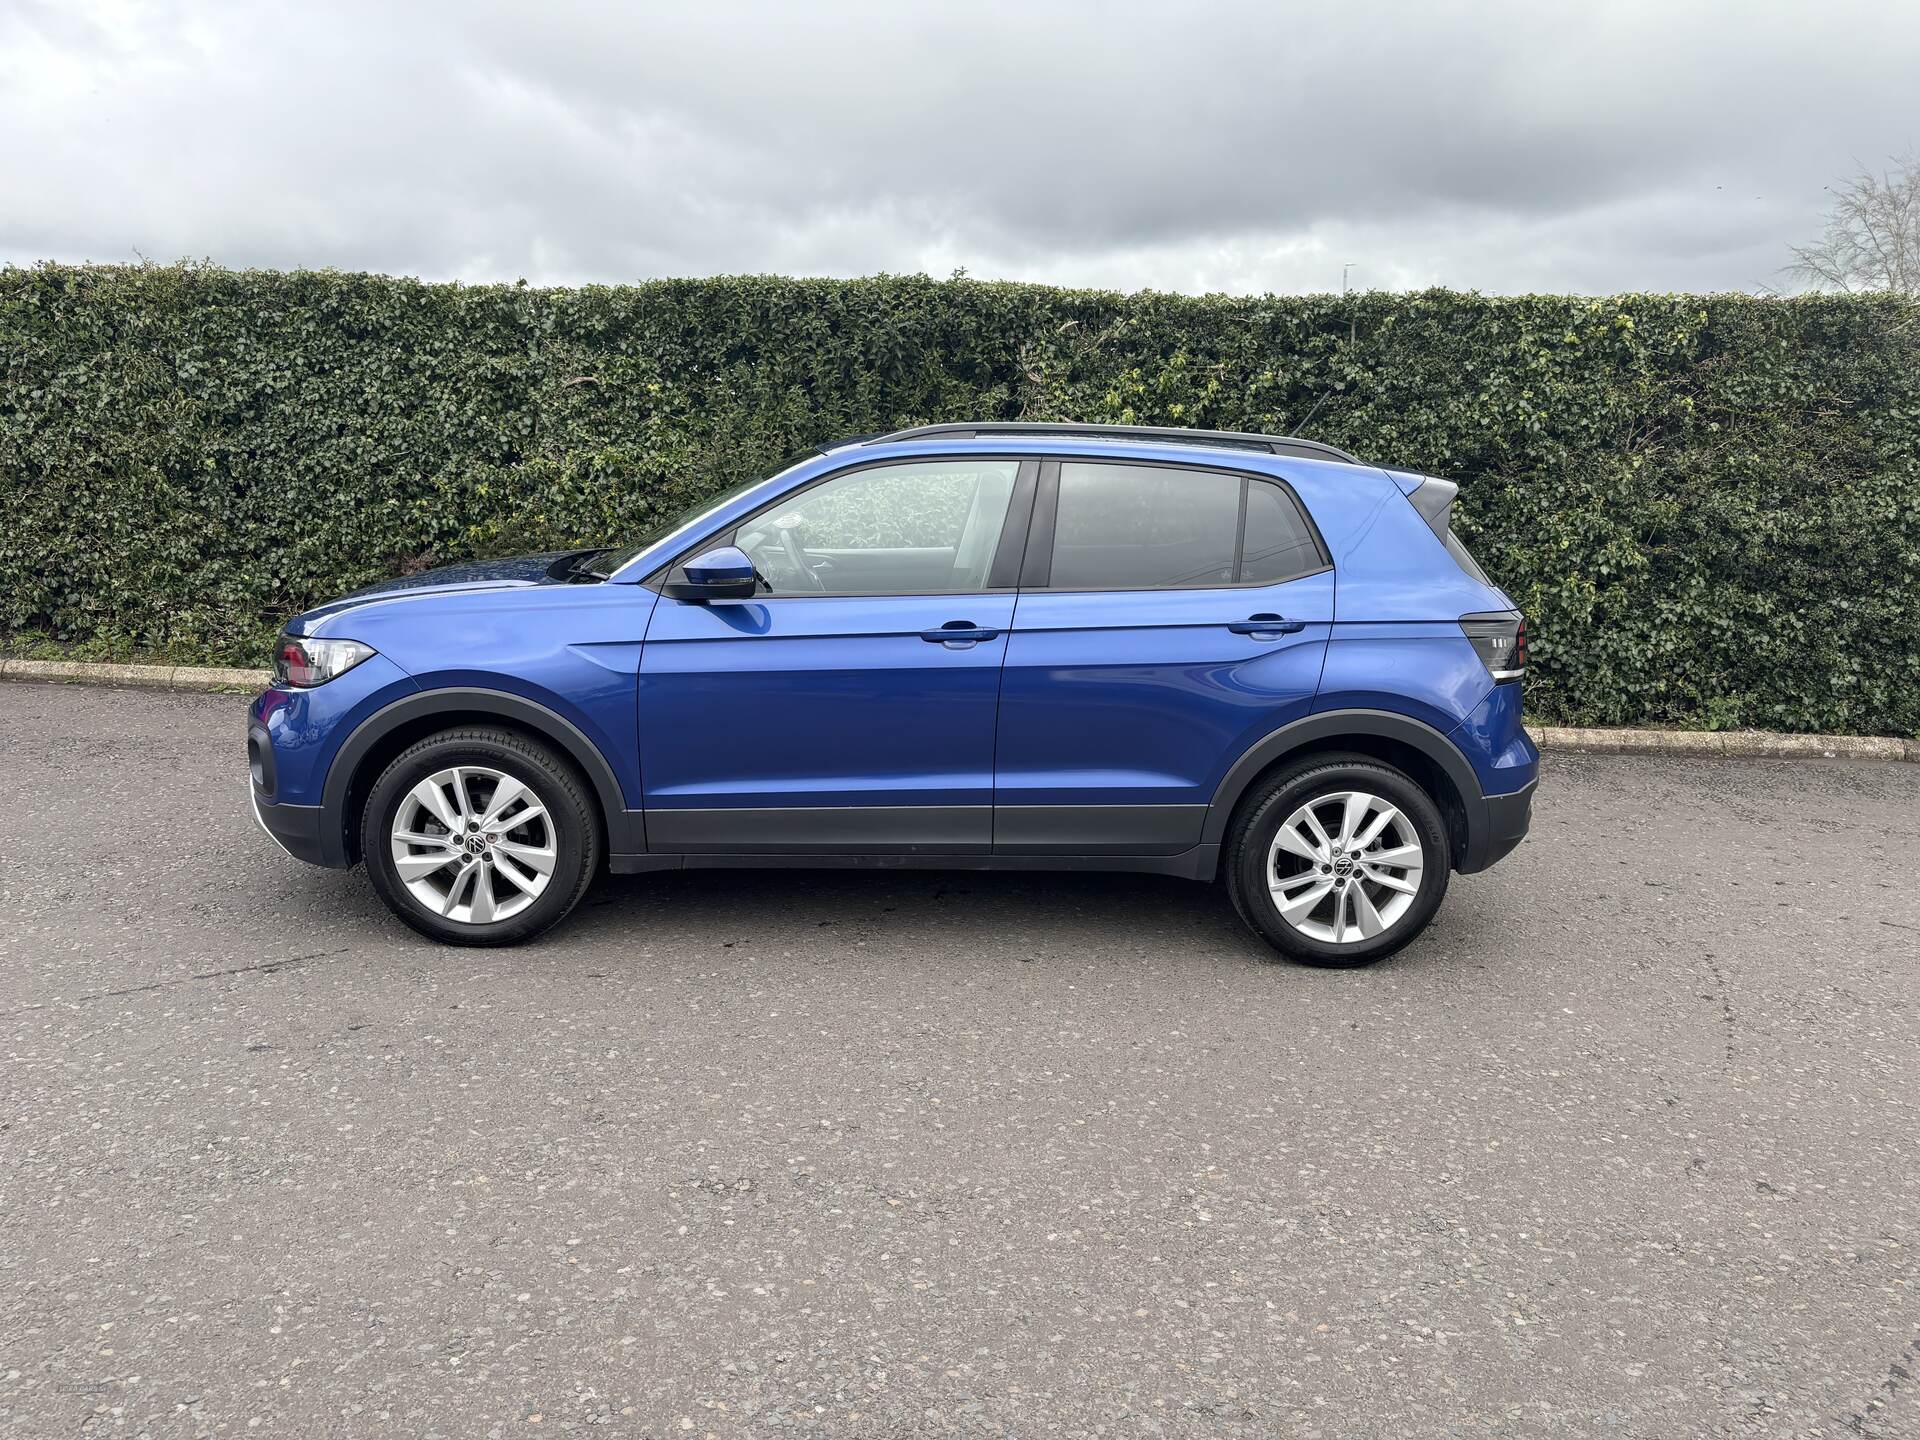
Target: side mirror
[(722, 574)]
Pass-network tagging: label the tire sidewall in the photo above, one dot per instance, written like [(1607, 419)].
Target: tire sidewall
[(1287, 795), (576, 840)]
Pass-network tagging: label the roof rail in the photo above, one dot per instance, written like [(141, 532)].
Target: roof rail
[(1151, 434)]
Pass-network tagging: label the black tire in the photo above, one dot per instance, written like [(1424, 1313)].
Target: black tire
[(555, 785), (1277, 798)]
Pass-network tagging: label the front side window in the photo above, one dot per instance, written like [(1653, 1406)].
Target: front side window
[(924, 528)]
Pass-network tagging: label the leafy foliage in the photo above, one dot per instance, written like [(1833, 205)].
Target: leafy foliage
[(1709, 506)]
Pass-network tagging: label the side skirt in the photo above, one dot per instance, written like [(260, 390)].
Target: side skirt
[(1200, 862), (801, 829), (1143, 839)]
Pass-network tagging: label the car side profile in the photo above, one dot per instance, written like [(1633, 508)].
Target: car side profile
[(1229, 657)]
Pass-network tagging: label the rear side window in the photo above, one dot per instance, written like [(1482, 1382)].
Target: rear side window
[(1458, 550), (1141, 527), (1277, 545), (1149, 527)]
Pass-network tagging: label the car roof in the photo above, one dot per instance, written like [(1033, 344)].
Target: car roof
[(1057, 432)]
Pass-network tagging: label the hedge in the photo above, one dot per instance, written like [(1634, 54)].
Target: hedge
[(1708, 505)]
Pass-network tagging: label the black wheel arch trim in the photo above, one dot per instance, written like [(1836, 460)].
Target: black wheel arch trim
[(626, 832), (1334, 725)]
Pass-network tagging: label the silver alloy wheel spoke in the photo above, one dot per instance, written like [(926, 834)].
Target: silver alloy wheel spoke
[(1295, 843), (1345, 867), (1305, 877), (527, 881), (1372, 832), (480, 907), (418, 867), (1353, 816), (538, 858), (1366, 914), (473, 845), (1398, 856), (434, 800), (1391, 881), (509, 793), (461, 880), (515, 820), (1305, 816), (1300, 907)]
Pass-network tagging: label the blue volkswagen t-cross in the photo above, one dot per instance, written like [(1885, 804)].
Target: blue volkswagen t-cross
[(1220, 656)]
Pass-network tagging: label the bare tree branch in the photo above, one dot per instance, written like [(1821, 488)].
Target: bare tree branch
[(1873, 233)]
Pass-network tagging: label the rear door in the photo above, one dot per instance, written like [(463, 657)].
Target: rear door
[(851, 706), (1169, 616)]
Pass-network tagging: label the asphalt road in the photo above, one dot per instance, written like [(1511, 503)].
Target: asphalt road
[(1625, 1146)]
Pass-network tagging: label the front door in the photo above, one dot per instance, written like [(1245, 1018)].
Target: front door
[(850, 707), (1169, 617)]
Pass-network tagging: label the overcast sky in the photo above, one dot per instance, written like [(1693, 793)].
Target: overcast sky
[(1236, 145)]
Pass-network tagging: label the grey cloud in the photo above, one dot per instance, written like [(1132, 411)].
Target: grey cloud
[(1241, 146)]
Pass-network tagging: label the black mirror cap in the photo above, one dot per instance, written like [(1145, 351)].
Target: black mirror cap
[(709, 590)]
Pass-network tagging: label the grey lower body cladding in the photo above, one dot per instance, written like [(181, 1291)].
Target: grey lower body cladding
[(1003, 830)]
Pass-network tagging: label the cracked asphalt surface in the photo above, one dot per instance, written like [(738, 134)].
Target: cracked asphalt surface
[(1624, 1146)]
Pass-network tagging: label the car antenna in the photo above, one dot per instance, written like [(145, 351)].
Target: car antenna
[(1295, 432)]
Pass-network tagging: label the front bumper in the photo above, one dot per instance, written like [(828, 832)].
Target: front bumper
[(292, 737), (297, 830)]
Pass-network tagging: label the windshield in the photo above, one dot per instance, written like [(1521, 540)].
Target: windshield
[(608, 562)]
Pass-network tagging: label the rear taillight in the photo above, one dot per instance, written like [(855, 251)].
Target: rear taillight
[(1501, 643)]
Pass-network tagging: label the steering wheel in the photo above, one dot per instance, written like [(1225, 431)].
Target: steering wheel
[(797, 555)]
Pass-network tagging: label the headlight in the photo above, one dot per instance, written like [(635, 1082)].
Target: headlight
[(304, 661)]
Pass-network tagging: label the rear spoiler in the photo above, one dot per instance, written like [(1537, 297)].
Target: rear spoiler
[(1434, 498)]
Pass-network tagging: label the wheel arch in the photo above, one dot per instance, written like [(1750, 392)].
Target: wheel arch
[(1428, 758), (391, 729)]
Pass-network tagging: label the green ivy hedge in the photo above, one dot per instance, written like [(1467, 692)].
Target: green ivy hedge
[(1708, 505)]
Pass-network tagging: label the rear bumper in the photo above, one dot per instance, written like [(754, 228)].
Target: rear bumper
[(1504, 820)]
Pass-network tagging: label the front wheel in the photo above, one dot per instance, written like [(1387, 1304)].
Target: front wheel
[(480, 837), (1339, 860)]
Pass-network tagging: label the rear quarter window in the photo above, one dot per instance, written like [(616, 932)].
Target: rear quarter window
[(1278, 543), (1463, 558)]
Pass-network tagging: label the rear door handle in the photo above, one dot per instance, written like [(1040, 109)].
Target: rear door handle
[(959, 634), (1266, 627)]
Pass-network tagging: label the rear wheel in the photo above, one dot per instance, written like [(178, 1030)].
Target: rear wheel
[(480, 837), (1339, 860)]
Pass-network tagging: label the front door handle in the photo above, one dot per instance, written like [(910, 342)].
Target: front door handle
[(1267, 627), (959, 634)]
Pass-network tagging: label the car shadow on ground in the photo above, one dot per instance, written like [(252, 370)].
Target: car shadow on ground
[(963, 912)]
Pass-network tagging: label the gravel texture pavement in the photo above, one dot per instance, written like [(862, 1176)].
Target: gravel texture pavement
[(1625, 1146)]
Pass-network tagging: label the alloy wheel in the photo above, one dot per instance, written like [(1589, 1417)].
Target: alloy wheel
[(1344, 867), (473, 845)]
